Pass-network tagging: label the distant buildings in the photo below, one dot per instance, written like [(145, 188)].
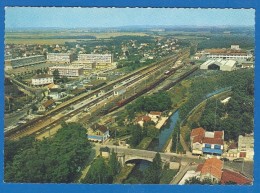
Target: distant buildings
[(68, 71), (219, 64), (233, 54), (98, 133), (205, 142), (24, 61), (65, 58), (42, 79)]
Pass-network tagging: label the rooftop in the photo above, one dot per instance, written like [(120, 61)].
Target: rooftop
[(212, 166), (231, 176)]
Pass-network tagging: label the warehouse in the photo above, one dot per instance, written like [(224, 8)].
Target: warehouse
[(219, 64)]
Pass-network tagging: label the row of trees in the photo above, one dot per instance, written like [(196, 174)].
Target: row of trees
[(224, 41), (103, 171), (53, 160)]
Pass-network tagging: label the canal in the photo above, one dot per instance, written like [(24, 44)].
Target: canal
[(156, 145)]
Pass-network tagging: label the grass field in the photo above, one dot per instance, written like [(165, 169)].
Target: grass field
[(49, 37)]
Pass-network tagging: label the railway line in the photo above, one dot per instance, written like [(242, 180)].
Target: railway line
[(152, 86), (41, 123)]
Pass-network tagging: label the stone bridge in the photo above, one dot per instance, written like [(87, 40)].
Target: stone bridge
[(126, 155)]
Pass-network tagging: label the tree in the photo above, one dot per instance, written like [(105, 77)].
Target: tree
[(196, 180), (98, 173), (52, 160), (56, 75), (152, 174), (114, 164)]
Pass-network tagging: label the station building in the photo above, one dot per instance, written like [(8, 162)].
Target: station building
[(219, 64)]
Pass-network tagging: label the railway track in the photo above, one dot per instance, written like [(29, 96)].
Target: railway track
[(167, 87), (37, 125)]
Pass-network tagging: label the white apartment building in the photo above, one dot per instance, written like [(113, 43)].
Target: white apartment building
[(42, 79), (59, 57), (95, 58), (68, 71)]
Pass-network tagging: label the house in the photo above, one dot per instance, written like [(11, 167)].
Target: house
[(98, 133), (232, 151), (54, 94), (196, 137), (211, 169), (155, 114), (246, 146), (204, 142), (46, 105), (143, 119)]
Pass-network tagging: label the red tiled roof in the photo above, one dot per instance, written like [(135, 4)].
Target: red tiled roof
[(218, 134), (213, 141), (197, 138), (199, 167), (212, 166), (198, 131), (231, 176), (155, 113), (233, 146), (144, 118)]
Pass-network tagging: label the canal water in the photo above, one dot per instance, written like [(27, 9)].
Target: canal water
[(156, 145), (165, 133)]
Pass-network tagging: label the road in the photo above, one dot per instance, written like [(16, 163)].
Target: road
[(184, 159)]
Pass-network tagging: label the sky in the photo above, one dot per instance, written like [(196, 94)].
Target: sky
[(18, 17)]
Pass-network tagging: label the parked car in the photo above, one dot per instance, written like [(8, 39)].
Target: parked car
[(238, 160), (224, 159)]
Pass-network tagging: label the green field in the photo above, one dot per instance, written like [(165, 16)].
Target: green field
[(60, 37)]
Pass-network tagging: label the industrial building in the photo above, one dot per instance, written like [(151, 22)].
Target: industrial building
[(65, 58), (235, 53), (219, 64), (24, 61), (68, 71)]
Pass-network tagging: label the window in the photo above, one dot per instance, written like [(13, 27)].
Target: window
[(207, 145)]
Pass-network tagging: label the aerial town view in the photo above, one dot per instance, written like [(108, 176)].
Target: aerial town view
[(129, 96)]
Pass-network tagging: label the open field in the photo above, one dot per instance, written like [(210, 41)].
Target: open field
[(51, 38)]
